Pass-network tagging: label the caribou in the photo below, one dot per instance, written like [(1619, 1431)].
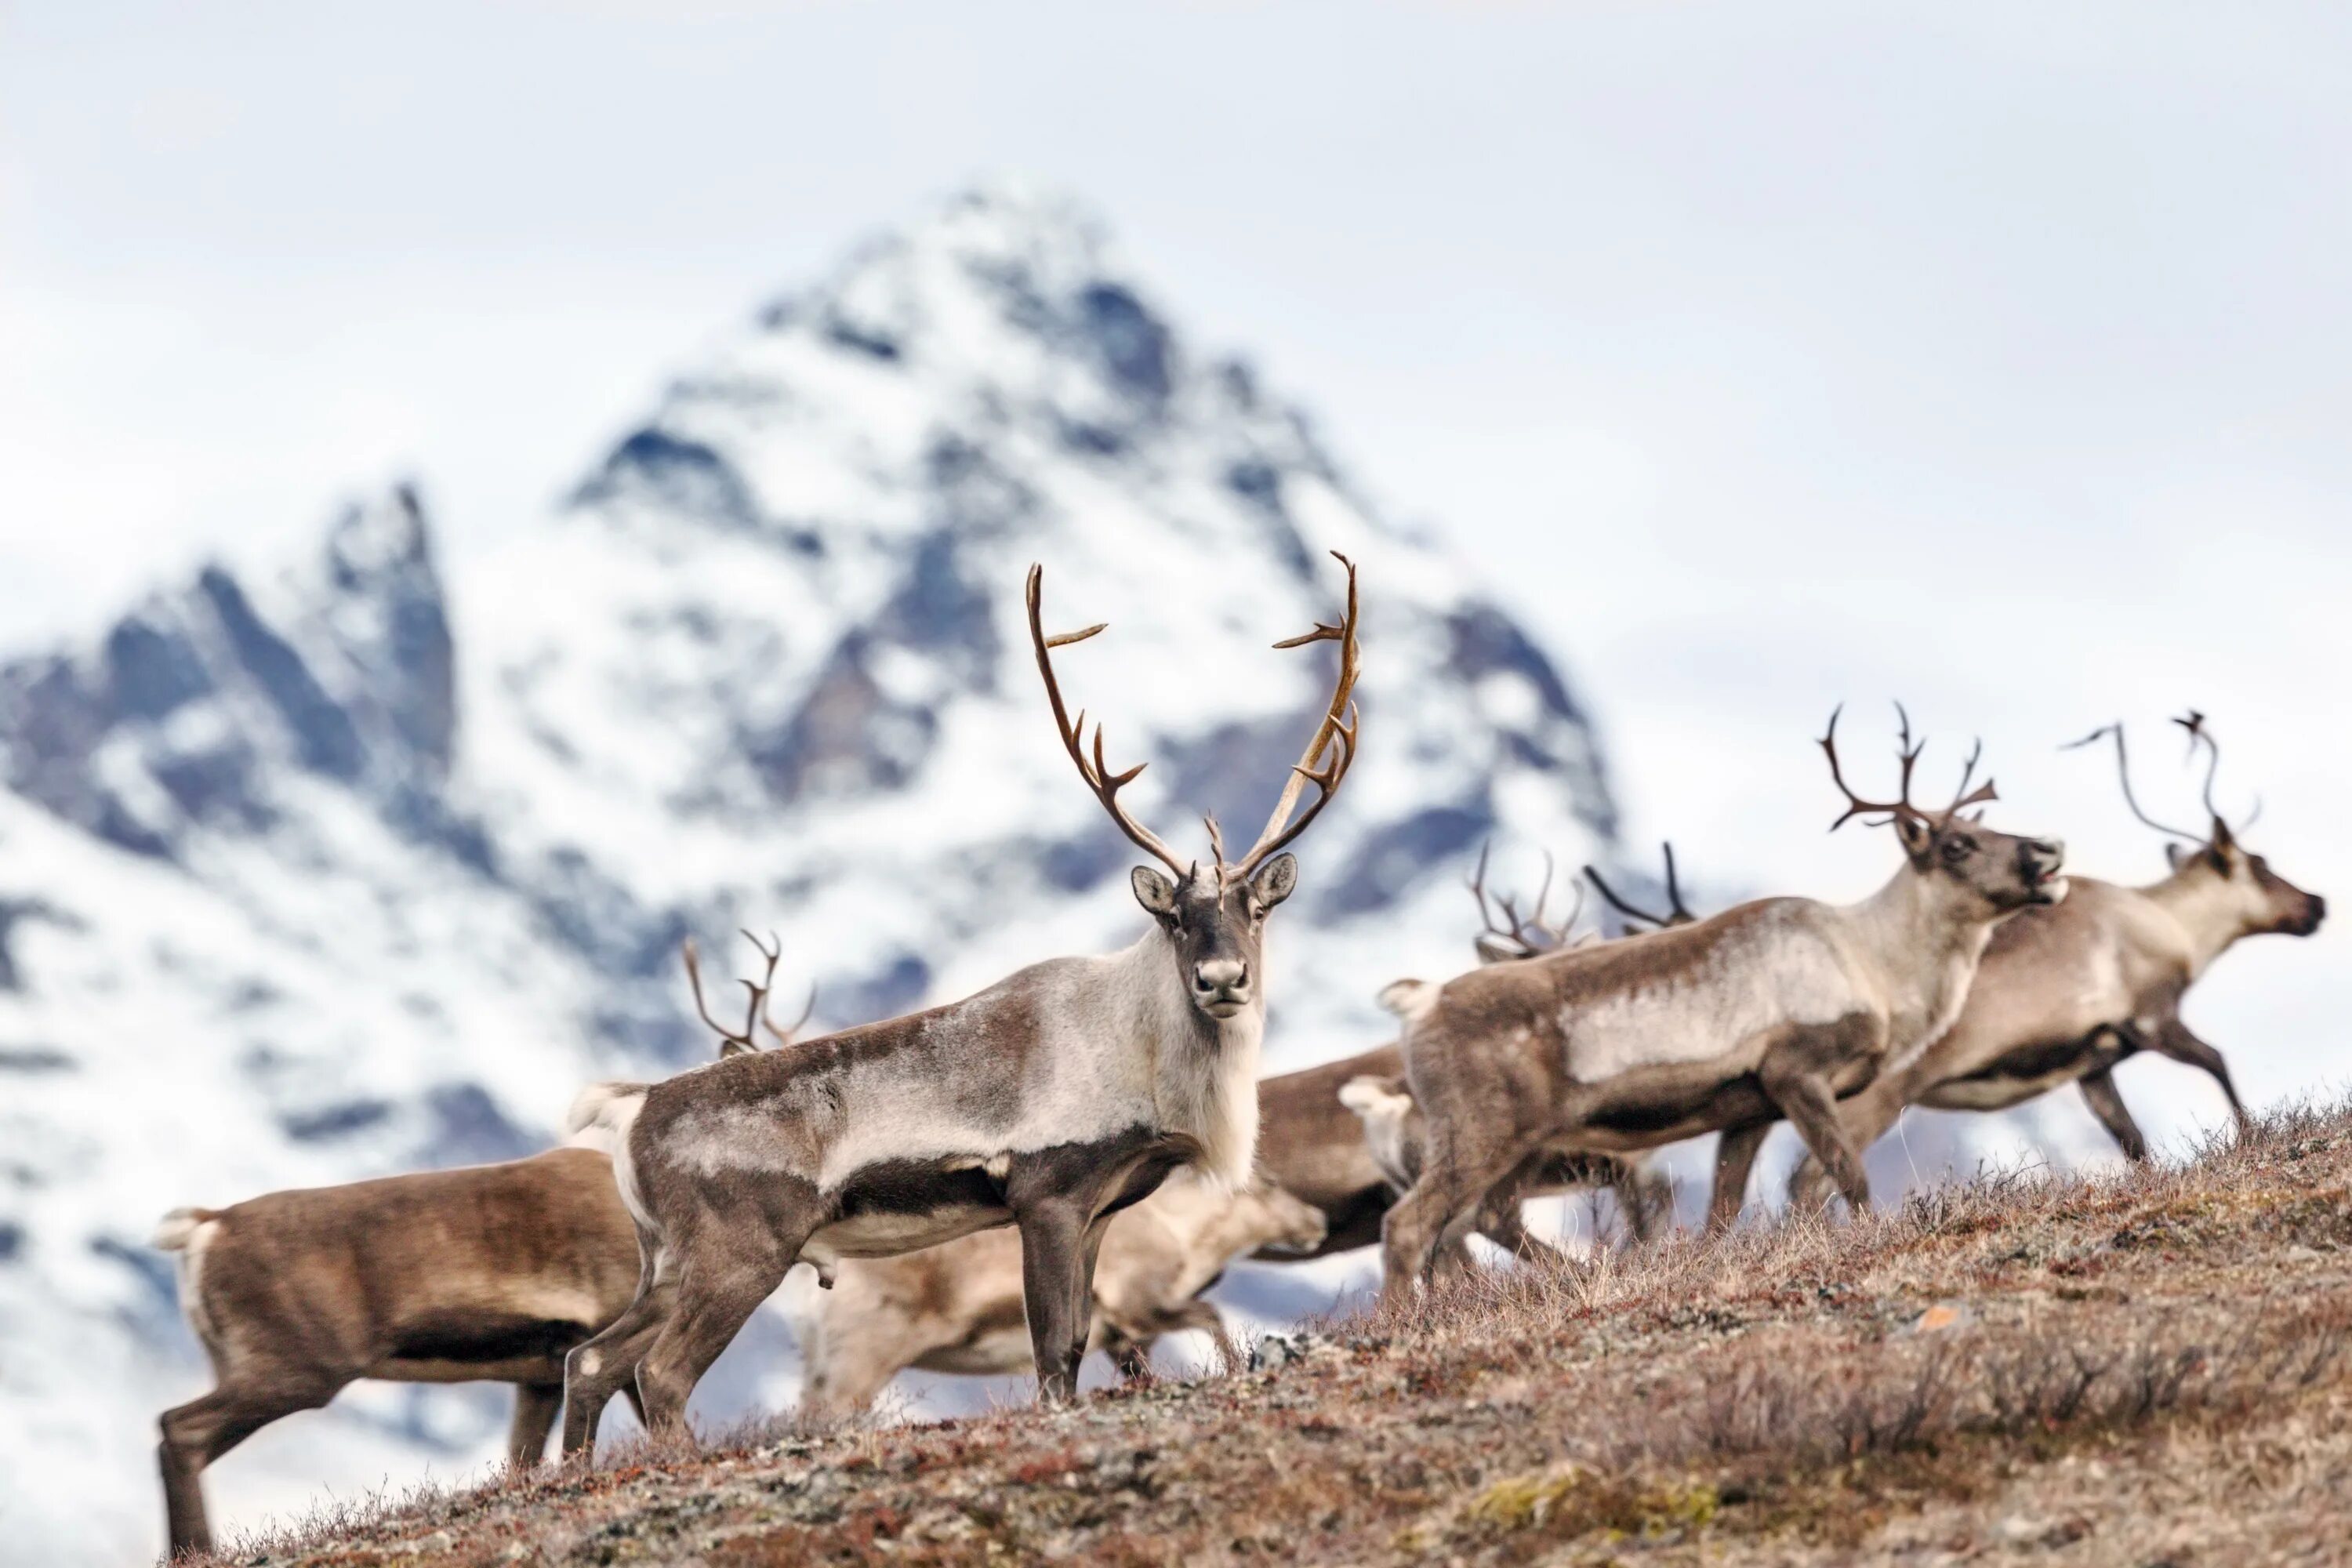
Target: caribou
[(1047, 1101), (490, 1273), (957, 1308), (2067, 992), (1313, 1142), (1394, 1131), (1773, 1008)]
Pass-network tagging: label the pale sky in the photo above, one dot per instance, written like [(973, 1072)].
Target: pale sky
[(1991, 357)]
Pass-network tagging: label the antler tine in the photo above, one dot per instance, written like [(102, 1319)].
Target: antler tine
[(1962, 797), (1855, 805), (784, 1037), (1682, 913), (1531, 934), (1624, 907), (2122, 772), (2200, 736), (1907, 751), (730, 1040), (1543, 893), (1098, 778), (1336, 735), (1560, 934), (771, 949)]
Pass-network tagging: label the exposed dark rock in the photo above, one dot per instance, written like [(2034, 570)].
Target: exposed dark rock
[(1134, 346), (325, 739), (677, 472), (1400, 854), (469, 1129), (333, 1121)]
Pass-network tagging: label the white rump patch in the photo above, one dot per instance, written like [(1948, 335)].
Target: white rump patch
[(178, 1230), (595, 1117), (189, 1233)]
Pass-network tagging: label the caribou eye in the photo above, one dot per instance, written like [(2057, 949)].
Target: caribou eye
[(1959, 849)]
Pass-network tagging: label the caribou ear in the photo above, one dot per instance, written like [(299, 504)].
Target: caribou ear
[(2174, 855), (1917, 833), (1152, 890), (1277, 879), (1495, 950)]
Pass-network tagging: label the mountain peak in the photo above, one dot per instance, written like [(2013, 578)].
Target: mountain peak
[(177, 715)]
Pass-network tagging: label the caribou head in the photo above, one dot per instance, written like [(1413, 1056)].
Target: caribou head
[(1213, 914), (1999, 871), (2260, 900)]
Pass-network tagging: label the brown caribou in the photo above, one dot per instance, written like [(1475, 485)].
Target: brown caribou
[(1773, 1008), (1048, 1101), (2067, 992), (1313, 1145), (957, 1308), (490, 1273)]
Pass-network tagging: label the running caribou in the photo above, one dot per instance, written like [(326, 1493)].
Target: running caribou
[(1773, 1008), (2065, 993), (1314, 1142), (1047, 1101), (1396, 1133)]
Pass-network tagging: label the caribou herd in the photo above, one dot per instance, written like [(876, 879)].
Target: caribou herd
[(1065, 1160)]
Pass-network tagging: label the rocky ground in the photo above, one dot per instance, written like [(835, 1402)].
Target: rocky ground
[(2148, 1368)]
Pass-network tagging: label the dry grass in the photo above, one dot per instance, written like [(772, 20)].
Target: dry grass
[(2146, 1368)]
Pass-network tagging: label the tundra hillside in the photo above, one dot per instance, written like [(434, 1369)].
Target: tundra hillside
[(2129, 1368)]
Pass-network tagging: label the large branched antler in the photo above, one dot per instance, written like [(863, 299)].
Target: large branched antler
[(2198, 735), (1336, 734), (2122, 772), (1515, 936), (1678, 912), (1325, 762), (1105, 784), (736, 1042), (1907, 751)]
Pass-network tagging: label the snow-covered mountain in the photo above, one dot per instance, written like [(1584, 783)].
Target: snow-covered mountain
[(368, 865)]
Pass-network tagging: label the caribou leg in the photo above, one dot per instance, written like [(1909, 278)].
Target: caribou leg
[(737, 1262), (197, 1432), (1443, 1202), (1056, 1291), (1735, 1157), (604, 1365), (2106, 1103), (2171, 1037), (1645, 1200), (536, 1405)]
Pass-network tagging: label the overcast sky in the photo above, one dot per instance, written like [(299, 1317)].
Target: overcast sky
[(1993, 357)]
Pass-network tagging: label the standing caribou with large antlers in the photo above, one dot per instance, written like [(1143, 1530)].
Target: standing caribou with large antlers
[(2065, 995), (1048, 1101), (1773, 1008)]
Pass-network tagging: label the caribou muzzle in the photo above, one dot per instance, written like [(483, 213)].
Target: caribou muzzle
[(2039, 861), (1221, 987)]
